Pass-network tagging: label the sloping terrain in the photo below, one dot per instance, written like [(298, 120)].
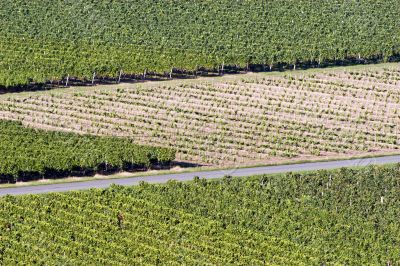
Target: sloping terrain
[(233, 120)]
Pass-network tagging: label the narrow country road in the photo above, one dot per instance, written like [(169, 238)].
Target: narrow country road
[(204, 174)]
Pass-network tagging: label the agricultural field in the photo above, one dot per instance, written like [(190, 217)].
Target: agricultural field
[(95, 90), (52, 41), (29, 154), (344, 217), (255, 118)]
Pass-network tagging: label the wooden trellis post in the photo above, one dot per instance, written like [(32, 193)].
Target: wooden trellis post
[(120, 74), (94, 75)]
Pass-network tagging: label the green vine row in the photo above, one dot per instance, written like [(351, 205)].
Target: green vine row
[(29, 154)]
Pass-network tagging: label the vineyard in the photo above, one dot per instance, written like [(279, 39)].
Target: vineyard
[(344, 217), (148, 85), (28, 154), (233, 120), (52, 41)]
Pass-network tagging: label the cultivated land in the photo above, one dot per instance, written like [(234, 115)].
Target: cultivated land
[(105, 38), (30, 154), (347, 217), (256, 118), (208, 132)]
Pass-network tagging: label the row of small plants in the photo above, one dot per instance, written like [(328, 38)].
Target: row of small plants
[(235, 120)]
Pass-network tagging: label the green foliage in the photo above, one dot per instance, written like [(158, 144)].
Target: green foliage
[(27, 154), (47, 40), (344, 217)]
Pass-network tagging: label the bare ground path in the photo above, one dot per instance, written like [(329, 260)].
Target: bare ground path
[(206, 174)]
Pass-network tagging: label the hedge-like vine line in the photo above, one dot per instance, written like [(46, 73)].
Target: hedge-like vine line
[(28, 154)]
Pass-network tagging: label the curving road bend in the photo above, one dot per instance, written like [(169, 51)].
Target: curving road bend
[(202, 174)]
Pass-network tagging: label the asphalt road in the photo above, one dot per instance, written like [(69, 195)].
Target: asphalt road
[(204, 174)]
